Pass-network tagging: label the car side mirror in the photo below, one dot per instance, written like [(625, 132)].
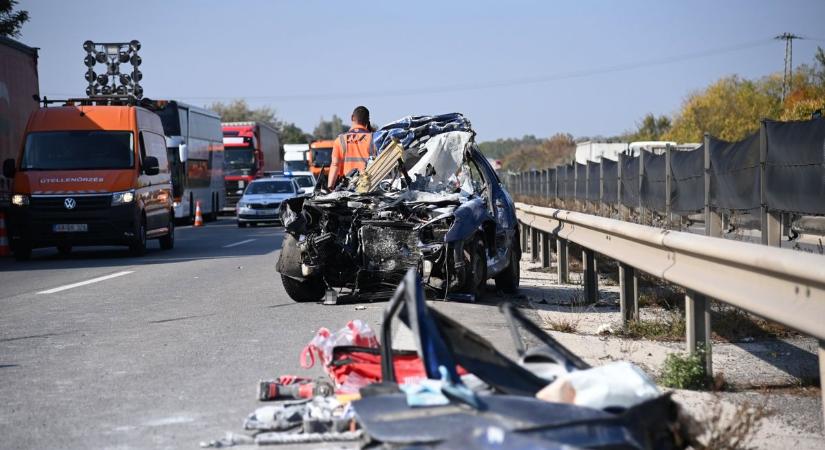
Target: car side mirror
[(9, 168), (183, 152), (151, 166)]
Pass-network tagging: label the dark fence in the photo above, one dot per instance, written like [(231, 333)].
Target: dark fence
[(779, 169)]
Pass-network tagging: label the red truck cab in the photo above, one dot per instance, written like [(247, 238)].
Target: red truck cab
[(250, 149)]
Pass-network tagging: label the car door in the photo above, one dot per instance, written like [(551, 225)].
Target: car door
[(157, 192)]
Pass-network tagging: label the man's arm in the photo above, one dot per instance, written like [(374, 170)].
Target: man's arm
[(336, 166)]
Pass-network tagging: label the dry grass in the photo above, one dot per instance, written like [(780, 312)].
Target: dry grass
[(733, 324), (731, 430), (669, 327), (561, 324)]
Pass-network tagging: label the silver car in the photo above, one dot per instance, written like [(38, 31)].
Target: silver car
[(261, 199)]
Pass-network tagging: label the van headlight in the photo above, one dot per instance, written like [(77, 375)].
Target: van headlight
[(122, 198), (243, 205), (20, 199)]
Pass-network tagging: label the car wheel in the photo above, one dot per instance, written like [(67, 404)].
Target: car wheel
[(22, 251), (64, 249), (241, 224), (138, 245), (168, 242), (508, 280), (311, 290), (475, 267)]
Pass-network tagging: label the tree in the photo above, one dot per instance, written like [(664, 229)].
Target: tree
[(651, 128), (501, 147), (292, 134), (11, 22), (733, 107), (729, 109), (239, 111), (546, 153), (329, 129)]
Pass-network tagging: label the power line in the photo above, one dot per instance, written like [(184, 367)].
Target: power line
[(464, 87), (787, 75), (501, 83)]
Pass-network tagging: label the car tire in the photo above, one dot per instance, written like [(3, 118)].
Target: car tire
[(508, 280), (22, 252), (241, 225), (138, 245), (303, 291), (168, 242), (476, 268), (64, 249)]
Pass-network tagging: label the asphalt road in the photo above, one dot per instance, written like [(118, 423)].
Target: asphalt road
[(162, 351)]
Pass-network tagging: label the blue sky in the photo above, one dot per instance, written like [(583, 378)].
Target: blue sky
[(514, 67)]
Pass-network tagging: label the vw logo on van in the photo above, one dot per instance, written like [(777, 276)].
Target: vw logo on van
[(69, 203)]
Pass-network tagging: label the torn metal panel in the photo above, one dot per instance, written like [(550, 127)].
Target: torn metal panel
[(414, 206)]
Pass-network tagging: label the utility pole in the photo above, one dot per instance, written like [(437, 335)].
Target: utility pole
[(788, 75)]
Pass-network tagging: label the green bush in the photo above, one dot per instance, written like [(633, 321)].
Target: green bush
[(684, 371)]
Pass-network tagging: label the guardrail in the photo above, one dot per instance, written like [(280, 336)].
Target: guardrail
[(778, 284), (774, 175)]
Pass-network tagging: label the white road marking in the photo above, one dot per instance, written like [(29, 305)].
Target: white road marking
[(83, 283), (238, 243)]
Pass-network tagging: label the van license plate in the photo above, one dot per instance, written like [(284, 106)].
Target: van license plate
[(266, 212), (70, 227)]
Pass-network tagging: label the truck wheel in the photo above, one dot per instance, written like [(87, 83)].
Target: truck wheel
[(22, 251), (168, 242), (508, 280), (138, 245), (303, 291)]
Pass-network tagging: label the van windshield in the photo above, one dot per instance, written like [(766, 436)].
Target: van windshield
[(76, 150)]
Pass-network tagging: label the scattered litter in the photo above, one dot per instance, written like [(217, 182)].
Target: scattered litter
[(229, 440), (615, 385), (360, 308), (307, 438), (748, 339), (604, 329), (356, 333)]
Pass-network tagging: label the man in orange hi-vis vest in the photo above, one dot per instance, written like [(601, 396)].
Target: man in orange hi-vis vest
[(352, 149)]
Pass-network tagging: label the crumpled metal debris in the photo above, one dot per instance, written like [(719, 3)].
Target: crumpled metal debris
[(229, 440)]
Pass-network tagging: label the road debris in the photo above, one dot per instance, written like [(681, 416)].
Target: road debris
[(429, 201)]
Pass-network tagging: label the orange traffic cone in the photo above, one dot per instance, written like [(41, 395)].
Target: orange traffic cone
[(4, 238), (198, 215)]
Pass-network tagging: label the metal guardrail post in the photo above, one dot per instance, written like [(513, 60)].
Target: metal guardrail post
[(561, 261), (602, 206), (587, 205), (545, 249), (591, 279), (822, 373), (628, 293), (575, 185), (534, 244), (697, 312), (641, 179), (525, 232), (668, 187), (713, 219), (771, 220), (619, 197)]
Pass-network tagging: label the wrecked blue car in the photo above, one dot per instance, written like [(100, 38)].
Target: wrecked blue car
[(429, 201)]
